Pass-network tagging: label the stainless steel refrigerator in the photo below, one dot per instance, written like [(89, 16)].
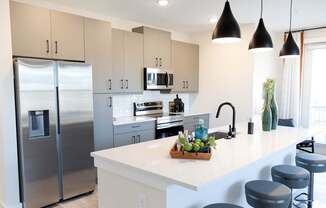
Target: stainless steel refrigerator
[(54, 105)]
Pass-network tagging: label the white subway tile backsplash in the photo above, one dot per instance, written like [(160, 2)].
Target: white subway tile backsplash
[(123, 103)]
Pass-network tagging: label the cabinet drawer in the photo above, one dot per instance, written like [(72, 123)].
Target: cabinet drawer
[(120, 129), (124, 139), (194, 119)]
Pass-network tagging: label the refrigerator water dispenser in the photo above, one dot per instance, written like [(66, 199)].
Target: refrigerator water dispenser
[(38, 123)]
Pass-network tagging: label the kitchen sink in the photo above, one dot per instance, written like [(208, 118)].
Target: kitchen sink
[(219, 135)]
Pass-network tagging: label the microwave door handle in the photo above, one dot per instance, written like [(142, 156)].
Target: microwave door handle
[(167, 80)]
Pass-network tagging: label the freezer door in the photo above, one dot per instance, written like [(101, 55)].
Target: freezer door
[(76, 128), (36, 122)]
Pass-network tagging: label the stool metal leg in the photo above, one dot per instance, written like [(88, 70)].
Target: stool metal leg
[(311, 191)]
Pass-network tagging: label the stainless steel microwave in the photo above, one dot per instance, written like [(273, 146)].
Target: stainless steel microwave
[(158, 79)]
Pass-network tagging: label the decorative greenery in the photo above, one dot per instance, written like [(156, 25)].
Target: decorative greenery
[(191, 144), (268, 112)]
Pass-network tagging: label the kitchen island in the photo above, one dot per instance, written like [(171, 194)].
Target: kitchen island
[(145, 176)]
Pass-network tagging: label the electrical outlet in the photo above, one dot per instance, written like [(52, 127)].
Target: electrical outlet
[(142, 201)]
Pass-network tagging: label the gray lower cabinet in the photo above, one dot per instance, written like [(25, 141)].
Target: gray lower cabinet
[(103, 121), (147, 135), (124, 139), (190, 122), (133, 133)]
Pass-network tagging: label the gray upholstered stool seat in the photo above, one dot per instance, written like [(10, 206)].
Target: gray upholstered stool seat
[(221, 205), (293, 177), (267, 194), (314, 163)]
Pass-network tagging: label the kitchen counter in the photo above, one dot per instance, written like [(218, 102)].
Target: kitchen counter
[(131, 119), (148, 167), (140, 119)]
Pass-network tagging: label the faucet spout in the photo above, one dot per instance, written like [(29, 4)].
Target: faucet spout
[(233, 115)]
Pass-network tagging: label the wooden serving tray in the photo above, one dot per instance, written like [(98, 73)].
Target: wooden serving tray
[(190, 155)]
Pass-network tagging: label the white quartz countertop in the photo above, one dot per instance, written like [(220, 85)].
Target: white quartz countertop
[(152, 159), (140, 119), (131, 119)]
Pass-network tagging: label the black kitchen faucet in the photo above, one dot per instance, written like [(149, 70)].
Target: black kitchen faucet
[(232, 129)]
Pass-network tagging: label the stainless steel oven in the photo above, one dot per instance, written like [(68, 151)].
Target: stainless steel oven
[(170, 127), (158, 79), (167, 124)]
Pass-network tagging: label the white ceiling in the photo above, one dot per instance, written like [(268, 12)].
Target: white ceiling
[(193, 15)]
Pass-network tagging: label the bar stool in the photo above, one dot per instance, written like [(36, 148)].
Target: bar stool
[(314, 163), (267, 194), (293, 177), (222, 205)]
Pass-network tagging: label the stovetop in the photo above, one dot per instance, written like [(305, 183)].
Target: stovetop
[(167, 117)]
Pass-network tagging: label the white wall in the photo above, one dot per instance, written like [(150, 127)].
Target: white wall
[(229, 72), (225, 74), (9, 189), (268, 65)]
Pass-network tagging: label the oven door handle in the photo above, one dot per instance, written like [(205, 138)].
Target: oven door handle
[(169, 125)]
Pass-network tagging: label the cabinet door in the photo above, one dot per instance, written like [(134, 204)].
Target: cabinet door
[(181, 64), (118, 60), (164, 45), (133, 62), (145, 136), (151, 47), (190, 127), (124, 139), (98, 53), (103, 122), (31, 30), (185, 65), (67, 36)]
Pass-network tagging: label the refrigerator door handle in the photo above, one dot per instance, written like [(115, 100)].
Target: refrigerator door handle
[(58, 109)]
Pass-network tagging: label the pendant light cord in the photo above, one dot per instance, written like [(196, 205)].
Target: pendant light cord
[(291, 8), (261, 8)]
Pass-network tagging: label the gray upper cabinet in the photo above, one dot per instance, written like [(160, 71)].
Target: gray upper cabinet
[(67, 36), (127, 63), (31, 30), (98, 52), (133, 67), (103, 121), (157, 47), (185, 63), (42, 33)]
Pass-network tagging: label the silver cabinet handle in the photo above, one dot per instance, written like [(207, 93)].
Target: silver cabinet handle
[(160, 62), (56, 47), (121, 83), (156, 61), (127, 84), (110, 101), (110, 84), (138, 138), (187, 84), (133, 139), (47, 46), (183, 84)]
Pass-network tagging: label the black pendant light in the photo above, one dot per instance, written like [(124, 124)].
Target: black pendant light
[(261, 41), (227, 29), (290, 48)]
